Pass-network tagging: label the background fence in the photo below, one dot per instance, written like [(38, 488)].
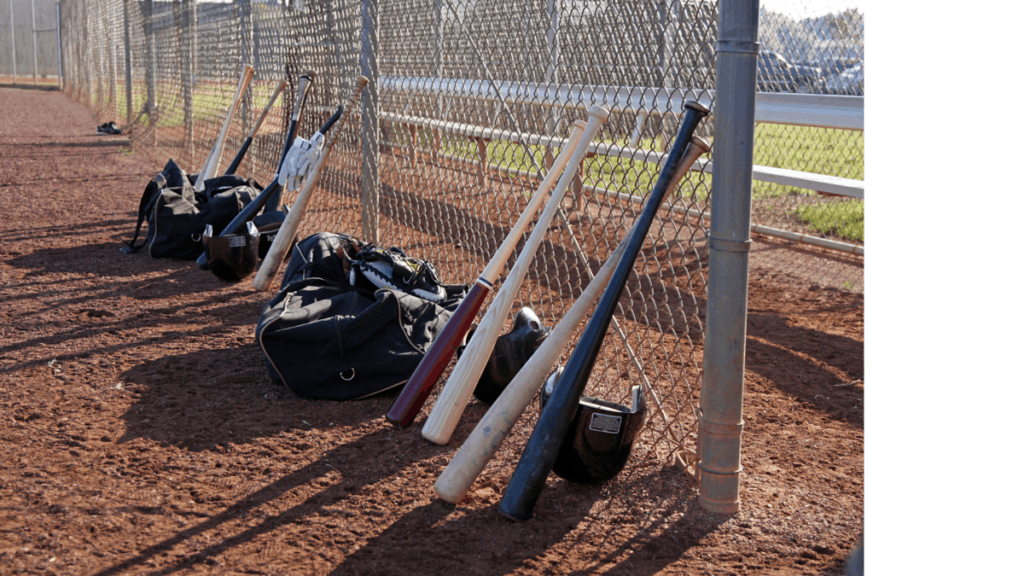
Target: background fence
[(468, 102), (28, 41)]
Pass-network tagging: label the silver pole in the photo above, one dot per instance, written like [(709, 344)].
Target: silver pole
[(14, 49), (60, 53), (721, 397), (371, 123), (127, 66), (35, 48)]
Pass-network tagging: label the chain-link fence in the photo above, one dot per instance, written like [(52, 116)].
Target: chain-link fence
[(468, 103), (28, 42)]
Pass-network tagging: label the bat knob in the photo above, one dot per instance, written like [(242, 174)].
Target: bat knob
[(599, 112)]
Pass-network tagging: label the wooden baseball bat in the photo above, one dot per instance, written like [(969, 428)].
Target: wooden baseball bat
[(240, 155), (494, 427), (290, 226), (212, 164), (538, 457), (422, 381), (459, 388), (271, 191)]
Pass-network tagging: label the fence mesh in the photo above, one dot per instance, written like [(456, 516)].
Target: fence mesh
[(469, 101)]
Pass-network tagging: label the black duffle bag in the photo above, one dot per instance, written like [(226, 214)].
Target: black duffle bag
[(176, 215), (326, 336)]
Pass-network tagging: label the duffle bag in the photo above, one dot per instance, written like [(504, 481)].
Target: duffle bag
[(323, 337), (176, 215)]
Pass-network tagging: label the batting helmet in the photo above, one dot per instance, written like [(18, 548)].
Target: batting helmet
[(600, 438), (232, 257), (511, 352), (268, 224)]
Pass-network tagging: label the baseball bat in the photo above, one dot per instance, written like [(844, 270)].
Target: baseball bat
[(440, 352), (240, 155), (305, 82), (263, 198), (494, 427), (290, 226), (457, 391), (538, 457), (212, 164)]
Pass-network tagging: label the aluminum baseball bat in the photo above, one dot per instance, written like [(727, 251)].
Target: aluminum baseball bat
[(271, 190), (212, 164), (290, 226), (240, 155), (538, 457), (421, 382), (457, 391)]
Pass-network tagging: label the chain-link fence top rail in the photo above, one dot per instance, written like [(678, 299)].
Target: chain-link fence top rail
[(468, 103)]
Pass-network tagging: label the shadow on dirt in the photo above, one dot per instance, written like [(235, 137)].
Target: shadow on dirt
[(359, 471), (207, 399), (814, 366)]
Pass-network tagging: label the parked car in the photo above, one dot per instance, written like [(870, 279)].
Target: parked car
[(849, 82), (776, 74)]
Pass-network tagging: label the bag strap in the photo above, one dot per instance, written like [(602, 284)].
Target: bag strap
[(156, 184)]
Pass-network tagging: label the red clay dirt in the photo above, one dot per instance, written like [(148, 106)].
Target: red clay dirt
[(140, 433)]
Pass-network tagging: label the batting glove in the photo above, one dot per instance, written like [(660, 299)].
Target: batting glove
[(299, 161)]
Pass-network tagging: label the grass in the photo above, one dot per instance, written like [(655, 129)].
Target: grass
[(842, 219), (208, 102)]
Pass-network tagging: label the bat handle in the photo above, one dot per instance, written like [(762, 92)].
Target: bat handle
[(417, 389)]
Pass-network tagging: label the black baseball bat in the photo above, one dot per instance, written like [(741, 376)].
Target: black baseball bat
[(244, 148), (270, 192), (538, 457)]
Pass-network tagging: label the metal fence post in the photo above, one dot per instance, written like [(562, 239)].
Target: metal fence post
[(60, 52), (147, 29), (244, 11), (370, 181), (35, 48), (183, 15), (127, 65), (14, 48), (721, 397)]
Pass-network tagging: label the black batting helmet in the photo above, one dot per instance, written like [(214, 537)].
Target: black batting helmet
[(600, 438), (511, 351), (234, 256)]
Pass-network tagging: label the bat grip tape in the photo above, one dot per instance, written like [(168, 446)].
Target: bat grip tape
[(730, 245)]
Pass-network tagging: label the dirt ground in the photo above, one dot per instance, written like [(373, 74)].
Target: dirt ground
[(140, 433)]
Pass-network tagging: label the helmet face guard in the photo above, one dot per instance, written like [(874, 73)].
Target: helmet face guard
[(233, 257), (600, 437), (511, 351)]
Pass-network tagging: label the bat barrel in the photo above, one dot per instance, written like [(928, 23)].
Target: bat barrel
[(538, 457)]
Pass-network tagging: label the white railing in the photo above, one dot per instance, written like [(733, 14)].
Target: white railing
[(823, 111)]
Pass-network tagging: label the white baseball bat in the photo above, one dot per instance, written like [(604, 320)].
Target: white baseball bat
[(286, 233), (494, 427), (212, 164), (417, 389), (457, 391)]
